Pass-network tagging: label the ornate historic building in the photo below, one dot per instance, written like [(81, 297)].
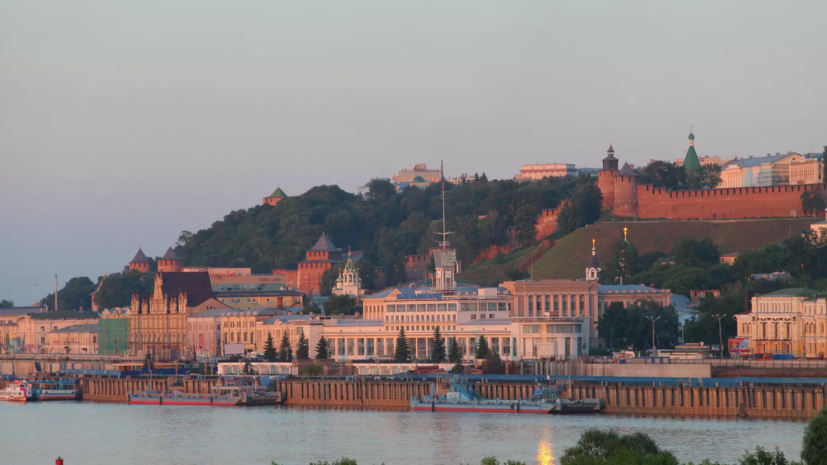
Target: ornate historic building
[(789, 321), (320, 258), (277, 196), (158, 322), (349, 282)]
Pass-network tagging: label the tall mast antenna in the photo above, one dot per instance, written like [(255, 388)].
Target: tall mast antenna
[(444, 242)]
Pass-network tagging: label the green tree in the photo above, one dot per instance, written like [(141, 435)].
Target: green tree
[(314, 370), (74, 296), (309, 306), (116, 289), (597, 447), (303, 347), (340, 305), (690, 252), (493, 362), (437, 347), (285, 351), (328, 281), (482, 348), (583, 208), (6, 303), (812, 203), (630, 327), (322, 349), (402, 353), (513, 274), (708, 177), (663, 174), (269, 349), (149, 361), (454, 354), (525, 223), (622, 264), (814, 448)]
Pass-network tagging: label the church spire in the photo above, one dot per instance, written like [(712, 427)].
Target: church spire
[(593, 268)]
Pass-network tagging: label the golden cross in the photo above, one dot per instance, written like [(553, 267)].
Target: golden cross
[(624, 232)]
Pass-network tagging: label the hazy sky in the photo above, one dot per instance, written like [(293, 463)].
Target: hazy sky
[(123, 123)]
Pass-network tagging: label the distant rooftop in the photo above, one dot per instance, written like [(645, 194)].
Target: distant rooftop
[(64, 315), (81, 328), (21, 311)]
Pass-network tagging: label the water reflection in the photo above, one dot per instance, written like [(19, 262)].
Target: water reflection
[(545, 456)]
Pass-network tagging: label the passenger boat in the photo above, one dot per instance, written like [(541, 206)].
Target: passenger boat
[(62, 389), (17, 392), (462, 399), (220, 396)]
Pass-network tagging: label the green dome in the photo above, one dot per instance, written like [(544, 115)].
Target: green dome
[(691, 136), (419, 179)]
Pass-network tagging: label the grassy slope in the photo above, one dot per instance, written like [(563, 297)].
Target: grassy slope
[(571, 255), (569, 258), (490, 272)]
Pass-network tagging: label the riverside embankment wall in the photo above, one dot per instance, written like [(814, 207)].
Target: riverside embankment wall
[(775, 402), (116, 389)]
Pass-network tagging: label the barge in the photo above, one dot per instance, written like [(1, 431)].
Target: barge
[(226, 396), (463, 399)]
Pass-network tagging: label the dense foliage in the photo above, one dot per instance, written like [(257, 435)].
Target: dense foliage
[(630, 328), (385, 225), (584, 207), (74, 296), (6, 303), (814, 448), (668, 175), (116, 289), (597, 447)]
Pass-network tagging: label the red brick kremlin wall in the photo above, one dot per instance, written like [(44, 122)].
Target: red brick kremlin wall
[(739, 202)]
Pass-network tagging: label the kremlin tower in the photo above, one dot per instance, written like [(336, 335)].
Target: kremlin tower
[(140, 262), (169, 262)]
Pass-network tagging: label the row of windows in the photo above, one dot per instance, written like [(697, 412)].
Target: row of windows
[(421, 318), (423, 327)]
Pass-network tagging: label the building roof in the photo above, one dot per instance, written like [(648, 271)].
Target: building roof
[(140, 257), (772, 276), (352, 322), (81, 328), (324, 244), (210, 313), (610, 154), (278, 194), (626, 171), (195, 284), (276, 293), (170, 254), (22, 311), (594, 262), (690, 161), (285, 318), (255, 311), (64, 315), (756, 161), (628, 289), (792, 292)]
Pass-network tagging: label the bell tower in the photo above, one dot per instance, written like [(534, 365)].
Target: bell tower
[(593, 268)]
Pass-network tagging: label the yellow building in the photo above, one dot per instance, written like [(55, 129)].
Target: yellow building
[(158, 322), (239, 326), (75, 339), (789, 321), (34, 328)]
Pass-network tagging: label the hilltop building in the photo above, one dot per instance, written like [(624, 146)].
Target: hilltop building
[(323, 256), (771, 170), (140, 262), (545, 170), (277, 196), (624, 196)]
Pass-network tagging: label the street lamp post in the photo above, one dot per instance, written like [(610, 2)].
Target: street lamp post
[(720, 317), (653, 319)]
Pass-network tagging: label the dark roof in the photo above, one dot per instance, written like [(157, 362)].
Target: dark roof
[(64, 315), (626, 171), (278, 194), (325, 245), (278, 293), (610, 154), (21, 311), (81, 328), (195, 284), (140, 257), (594, 262), (170, 254)]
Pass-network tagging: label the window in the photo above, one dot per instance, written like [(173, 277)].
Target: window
[(482, 316), (473, 316), (491, 316), (532, 329)]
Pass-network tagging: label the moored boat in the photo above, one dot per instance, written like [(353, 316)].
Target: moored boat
[(55, 390), (462, 399), (19, 391), (220, 396)]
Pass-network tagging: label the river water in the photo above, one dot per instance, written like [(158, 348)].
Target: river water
[(85, 433)]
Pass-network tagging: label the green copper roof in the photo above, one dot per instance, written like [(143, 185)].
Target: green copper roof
[(691, 162), (278, 193), (419, 179), (691, 136)]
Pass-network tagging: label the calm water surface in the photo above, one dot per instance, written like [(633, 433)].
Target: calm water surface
[(89, 433)]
